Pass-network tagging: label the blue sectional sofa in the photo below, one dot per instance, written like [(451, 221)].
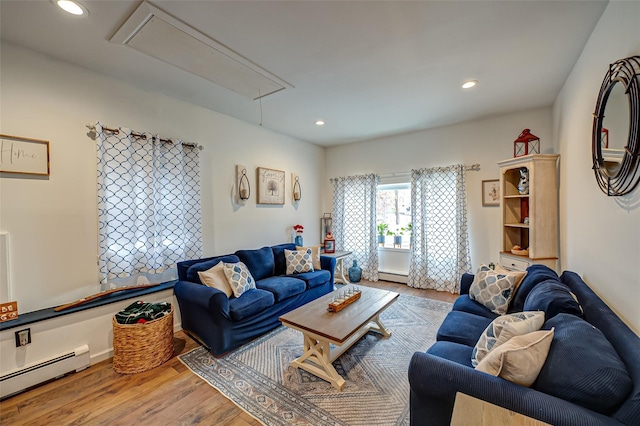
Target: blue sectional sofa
[(224, 323), (591, 375)]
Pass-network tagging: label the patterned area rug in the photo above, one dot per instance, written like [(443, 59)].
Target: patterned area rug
[(258, 378)]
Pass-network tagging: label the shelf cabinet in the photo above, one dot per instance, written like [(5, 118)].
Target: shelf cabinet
[(529, 220)]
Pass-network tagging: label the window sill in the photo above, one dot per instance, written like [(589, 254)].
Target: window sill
[(396, 249), (49, 313)]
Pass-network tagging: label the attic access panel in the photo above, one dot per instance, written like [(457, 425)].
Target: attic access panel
[(160, 35)]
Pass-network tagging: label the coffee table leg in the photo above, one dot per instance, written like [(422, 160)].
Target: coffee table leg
[(380, 327), (317, 361)]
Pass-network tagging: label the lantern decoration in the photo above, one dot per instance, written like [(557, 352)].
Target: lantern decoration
[(527, 143)]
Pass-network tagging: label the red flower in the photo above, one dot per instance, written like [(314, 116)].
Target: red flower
[(298, 228)]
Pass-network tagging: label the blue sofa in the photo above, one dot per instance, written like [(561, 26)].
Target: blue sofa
[(591, 375), (223, 324)]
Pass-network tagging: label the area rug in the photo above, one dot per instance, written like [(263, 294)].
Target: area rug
[(259, 379)]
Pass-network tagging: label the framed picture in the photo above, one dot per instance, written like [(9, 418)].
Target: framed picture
[(270, 186), (490, 192), (24, 155)]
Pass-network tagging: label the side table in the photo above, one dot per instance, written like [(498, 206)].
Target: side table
[(470, 411), (339, 255)]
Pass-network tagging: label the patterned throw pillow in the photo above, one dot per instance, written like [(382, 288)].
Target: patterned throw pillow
[(504, 328), (315, 256), (493, 289), (520, 359), (298, 261), (239, 278)]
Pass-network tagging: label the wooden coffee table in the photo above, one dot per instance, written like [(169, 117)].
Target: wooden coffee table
[(320, 328)]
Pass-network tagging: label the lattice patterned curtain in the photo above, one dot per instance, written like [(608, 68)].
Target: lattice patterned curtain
[(354, 220), (148, 204), (440, 249)]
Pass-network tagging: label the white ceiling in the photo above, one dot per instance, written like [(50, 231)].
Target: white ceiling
[(368, 68)]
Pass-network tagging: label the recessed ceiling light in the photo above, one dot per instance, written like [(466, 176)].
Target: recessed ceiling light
[(319, 122), (469, 84), (72, 7)]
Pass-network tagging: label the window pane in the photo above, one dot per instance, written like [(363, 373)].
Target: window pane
[(394, 211)]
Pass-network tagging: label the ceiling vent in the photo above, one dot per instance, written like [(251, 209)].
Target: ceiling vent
[(160, 35)]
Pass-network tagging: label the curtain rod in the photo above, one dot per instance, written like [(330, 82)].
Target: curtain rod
[(473, 167), (143, 136)]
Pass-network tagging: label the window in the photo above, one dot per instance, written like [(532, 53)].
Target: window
[(394, 210)]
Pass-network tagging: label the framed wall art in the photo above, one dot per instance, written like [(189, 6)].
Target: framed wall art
[(490, 192), (270, 186), (24, 155)]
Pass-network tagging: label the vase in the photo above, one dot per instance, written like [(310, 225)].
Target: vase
[(298, 241), (355, 272), (381, 240)]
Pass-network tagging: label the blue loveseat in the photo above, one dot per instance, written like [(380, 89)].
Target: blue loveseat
[(224, 323), (591, 375)]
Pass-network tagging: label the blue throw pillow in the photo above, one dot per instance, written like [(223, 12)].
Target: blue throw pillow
[(260, 262), (583, 367), (535, 275), (553, 298)]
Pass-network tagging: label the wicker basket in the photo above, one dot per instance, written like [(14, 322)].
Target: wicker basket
[(141, 347)]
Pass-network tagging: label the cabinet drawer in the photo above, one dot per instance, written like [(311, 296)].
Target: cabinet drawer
[(512, 263)]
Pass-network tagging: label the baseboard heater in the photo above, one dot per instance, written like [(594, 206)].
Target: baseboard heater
[(39, 372)]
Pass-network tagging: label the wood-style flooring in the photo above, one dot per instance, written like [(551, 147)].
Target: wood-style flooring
[(166, 395)]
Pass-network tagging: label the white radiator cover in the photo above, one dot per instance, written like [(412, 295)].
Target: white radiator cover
[(41, 371)]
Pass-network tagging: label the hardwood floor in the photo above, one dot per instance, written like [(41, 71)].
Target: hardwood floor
[(166, 395)]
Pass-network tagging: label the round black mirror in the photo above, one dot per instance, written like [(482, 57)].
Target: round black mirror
[(615, 142)]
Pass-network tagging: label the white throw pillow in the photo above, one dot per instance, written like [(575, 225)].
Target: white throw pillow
[(298, 261), (216, 278), (239, 278), (504, 328), (315, 256), (520, 359)]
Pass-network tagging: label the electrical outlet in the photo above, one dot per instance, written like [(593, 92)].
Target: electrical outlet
[(23, 337)]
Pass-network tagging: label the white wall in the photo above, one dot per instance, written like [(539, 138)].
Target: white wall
[(483, 141), (599, 235), (52, 222)]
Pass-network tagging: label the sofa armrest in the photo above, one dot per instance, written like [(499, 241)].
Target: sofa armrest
[(435, 380), (206, 298), (465, 283), (329, 264)]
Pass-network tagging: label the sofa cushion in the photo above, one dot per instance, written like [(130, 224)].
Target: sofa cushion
[(239, 278), (282, 287), (455, 352), (298, 261), (280, 264), (552, 297), (466, 304), (315, 278), (251, 302), (462, 327), (315, 255), (535, 274), (504, 328), (192, 272), (520, 359), (260, 262), (492, 289), (215, 278), (583, 367)]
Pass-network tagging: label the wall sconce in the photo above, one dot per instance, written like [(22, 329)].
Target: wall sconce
[(527, 143), (244, 188), (296, 189)]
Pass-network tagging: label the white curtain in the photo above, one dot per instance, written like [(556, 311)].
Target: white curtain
[(354, 220), (148, 206), (440, 249)]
